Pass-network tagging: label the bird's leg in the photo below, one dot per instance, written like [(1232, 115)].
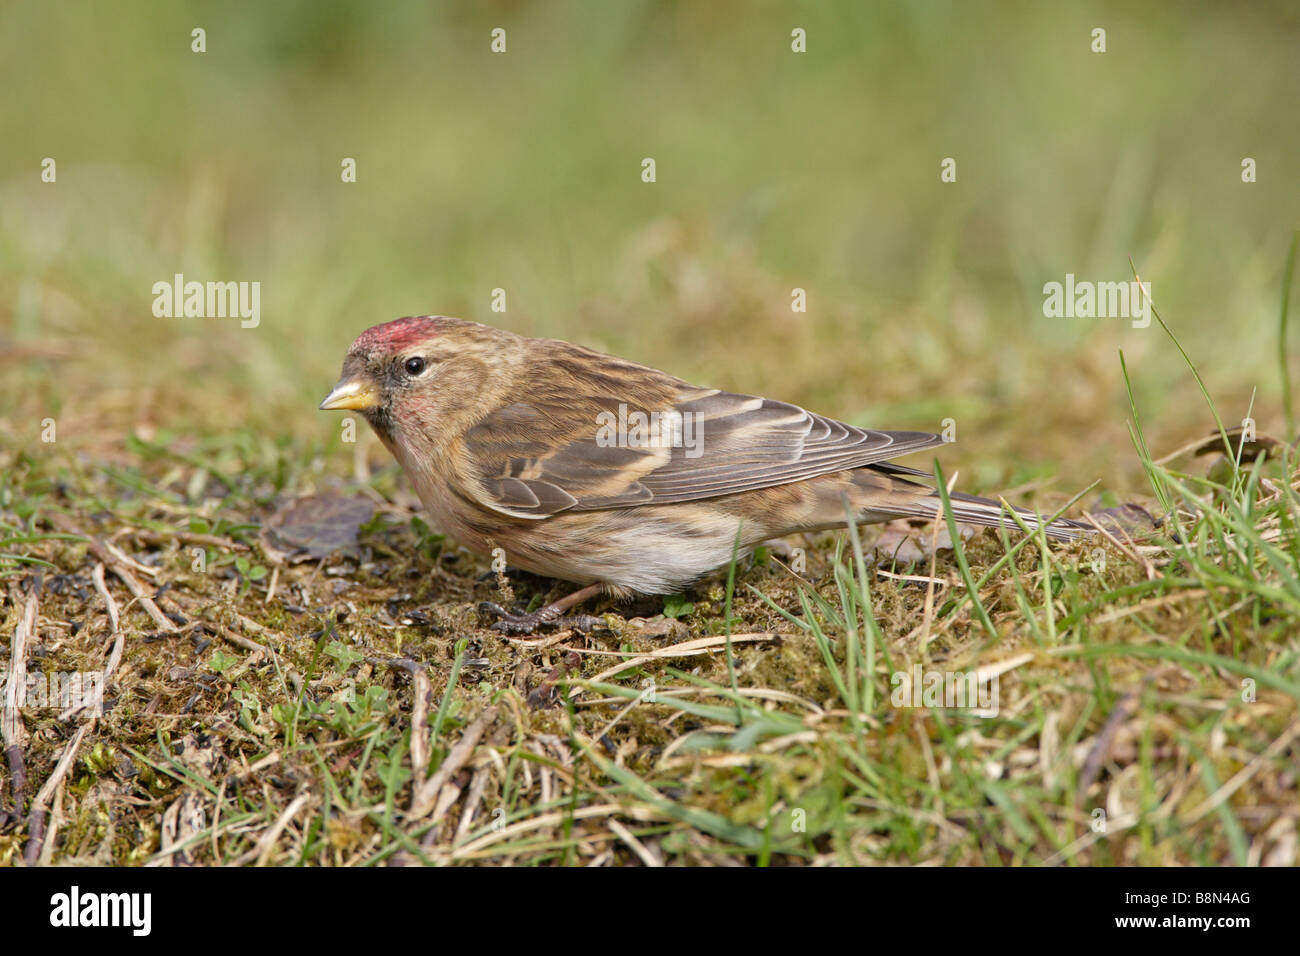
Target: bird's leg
[(551, 614)]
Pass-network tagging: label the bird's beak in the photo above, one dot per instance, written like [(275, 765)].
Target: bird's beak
[(351, 393)]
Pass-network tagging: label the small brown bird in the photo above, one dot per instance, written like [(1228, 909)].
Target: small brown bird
[(610, 474)]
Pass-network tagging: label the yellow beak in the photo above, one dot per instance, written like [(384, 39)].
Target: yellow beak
[(353, 394)]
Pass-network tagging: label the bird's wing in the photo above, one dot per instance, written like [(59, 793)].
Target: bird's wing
[(585, 452)]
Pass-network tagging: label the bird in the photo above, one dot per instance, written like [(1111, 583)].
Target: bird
[(612, 475)]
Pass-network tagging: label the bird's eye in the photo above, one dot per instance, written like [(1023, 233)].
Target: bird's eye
[(415, 365)]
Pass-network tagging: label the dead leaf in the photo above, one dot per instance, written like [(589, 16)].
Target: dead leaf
[(912, 540), (658, 628), (316, 527), (1261, 445), (1130, 518)]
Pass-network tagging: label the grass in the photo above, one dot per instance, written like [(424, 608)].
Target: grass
[(350, 709), (1146, 712)]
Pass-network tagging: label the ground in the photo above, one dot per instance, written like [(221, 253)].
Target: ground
[(351, 707), (267, 705)]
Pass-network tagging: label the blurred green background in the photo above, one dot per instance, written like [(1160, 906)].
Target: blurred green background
[(775, 170)]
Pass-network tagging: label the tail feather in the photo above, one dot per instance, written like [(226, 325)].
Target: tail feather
[(925, 502), (992, 514)]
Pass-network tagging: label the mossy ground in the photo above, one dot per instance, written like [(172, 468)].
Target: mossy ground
[(288, 713)]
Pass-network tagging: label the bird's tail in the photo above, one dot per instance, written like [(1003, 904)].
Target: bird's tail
[(992, 514), (912, 500)]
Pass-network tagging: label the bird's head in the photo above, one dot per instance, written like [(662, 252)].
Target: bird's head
[(408, 376)]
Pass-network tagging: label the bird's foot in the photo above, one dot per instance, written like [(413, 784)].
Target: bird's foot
[(523, 625)]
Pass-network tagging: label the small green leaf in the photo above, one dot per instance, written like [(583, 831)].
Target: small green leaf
[(344, 655), (222, 662), (675, 606)]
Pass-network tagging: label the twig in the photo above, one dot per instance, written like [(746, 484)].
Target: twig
[(115, 655), (425, 793), (927, 613), (120, 564), (120, 557), (543, 820), (184, 537), (270, 836), (240, 641), (137, 589), (421, 749), (1124, 708), (633, 844), (1129, 548), (133, 585), (1214, 800), (270, 588), (11, 721), (36, 822), (109, 603), (250, 625), (691, 648), (477, 786)]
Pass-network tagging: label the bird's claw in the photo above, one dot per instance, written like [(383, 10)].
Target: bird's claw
[(517, 625), (583, 623), (492, 609), (522, 625)]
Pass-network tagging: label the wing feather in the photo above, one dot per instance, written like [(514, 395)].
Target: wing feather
[(546, 453)]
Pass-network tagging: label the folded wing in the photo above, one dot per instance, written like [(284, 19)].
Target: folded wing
[(581, 448)]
